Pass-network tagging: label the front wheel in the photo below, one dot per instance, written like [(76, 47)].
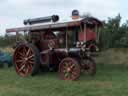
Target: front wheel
[(69, 69)]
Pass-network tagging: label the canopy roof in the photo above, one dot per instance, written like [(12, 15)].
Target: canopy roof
[(59, 24)]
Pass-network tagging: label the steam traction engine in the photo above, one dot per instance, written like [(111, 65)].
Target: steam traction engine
[(62, 46)]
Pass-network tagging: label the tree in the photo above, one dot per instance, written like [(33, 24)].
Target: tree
[(114, 34)]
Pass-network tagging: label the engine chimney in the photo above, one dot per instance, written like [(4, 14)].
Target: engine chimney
[(75, 14)]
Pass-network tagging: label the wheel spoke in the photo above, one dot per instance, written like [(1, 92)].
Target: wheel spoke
[(30, 56), (30, 61), (26, 69), (64, 71), (18, 61), (24, 51), (66, 74), (72, 66), (69, 76), (74, 73), (22, 68), (28, 52), (30, 64), (18, 57), (21, 54)]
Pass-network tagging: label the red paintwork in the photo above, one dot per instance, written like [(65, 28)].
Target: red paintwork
[(90, 35), (47, 56), (44, 58), (52, 57)]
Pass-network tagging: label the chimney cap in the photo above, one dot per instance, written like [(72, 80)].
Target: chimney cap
[(75, 13)]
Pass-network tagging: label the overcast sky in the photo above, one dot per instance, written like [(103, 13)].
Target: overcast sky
[(13, 12)]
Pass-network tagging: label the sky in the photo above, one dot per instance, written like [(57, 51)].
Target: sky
[(13, 12)]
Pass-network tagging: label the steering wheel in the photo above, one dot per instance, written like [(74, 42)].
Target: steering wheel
[(51, 44)]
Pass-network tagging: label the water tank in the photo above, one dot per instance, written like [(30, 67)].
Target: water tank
[(53, 18)]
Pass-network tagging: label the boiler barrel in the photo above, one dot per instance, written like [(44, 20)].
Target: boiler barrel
[(53, 18)]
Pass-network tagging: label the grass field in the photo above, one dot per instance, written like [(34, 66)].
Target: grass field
[(110, 80)]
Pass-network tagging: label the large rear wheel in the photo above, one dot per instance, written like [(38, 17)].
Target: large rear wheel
[(26, 59), (69, 69)]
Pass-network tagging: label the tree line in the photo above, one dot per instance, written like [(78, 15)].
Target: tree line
[(114, 34)]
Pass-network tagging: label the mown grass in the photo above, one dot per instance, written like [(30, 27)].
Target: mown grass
[(113, 56), (110, 80)]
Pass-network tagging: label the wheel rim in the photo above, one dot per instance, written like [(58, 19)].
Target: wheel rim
[(24, 60), (69, 70)]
